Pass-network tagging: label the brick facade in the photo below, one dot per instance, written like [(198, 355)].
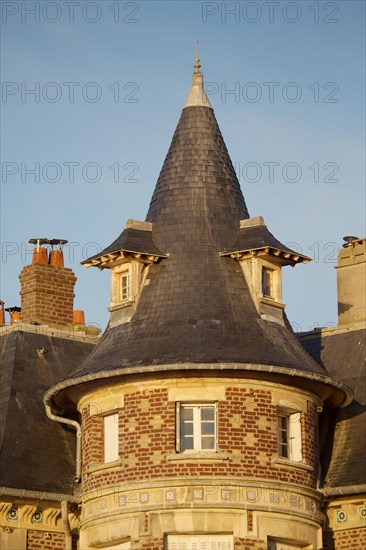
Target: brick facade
[(47, 294), (247, 429), (36, 540), (350, 539)]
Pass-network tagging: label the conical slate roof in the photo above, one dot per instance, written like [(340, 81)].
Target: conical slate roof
[(196, 308)]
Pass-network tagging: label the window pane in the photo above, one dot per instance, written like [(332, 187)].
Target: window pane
[(283, 434), (267, 275), (208, 442), (186, 428), (207, 414), (187, 443), (186, 414), (208, 428), (124, 287)]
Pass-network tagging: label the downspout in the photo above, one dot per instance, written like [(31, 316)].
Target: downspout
[(65, 520), (77, 427)]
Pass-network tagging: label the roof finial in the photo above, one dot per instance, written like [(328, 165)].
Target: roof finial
[(197, 96), (197, 64)]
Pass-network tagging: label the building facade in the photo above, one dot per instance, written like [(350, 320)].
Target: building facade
[(204, 423)]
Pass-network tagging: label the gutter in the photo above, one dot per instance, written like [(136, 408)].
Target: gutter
[(324, 379), (77, 427), (38, 495), (344, 491)]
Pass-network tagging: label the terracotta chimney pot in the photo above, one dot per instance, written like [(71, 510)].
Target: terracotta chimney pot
[(78, 317)]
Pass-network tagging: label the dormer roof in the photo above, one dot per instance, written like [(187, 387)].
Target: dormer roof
[(254, 238), (135, 241)]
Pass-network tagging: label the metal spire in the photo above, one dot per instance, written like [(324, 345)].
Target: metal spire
[(197, 64)]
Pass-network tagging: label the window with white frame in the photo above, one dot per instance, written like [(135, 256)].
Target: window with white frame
[(289, 435), (196, 427), (110, 431)]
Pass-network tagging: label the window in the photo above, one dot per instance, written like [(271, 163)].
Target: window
[(267, 282), (196, 427), (124, 286), (199, 542), (289, 435), (110, 437)]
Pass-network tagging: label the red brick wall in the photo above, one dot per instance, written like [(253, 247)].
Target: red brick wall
[(36, 541), (145, 442), (92, 439), (310, 435), (350, 539), (47, 294)]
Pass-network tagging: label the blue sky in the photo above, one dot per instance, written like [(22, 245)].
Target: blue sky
[(286, 80)]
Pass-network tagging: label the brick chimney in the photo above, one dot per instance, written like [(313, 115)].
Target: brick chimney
[(47, 287), (351, 282)]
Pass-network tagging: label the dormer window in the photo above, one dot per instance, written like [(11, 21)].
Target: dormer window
[(267, 279), (124, 286), (267, 282), (261, 257)]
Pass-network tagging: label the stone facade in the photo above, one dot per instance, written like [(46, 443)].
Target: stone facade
[(351, 282), (34, 524)]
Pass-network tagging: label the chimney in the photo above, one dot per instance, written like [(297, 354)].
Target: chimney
[(351, 281), (2, 313), (47, 287)]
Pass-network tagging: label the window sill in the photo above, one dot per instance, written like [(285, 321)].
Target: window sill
[(293, 464), (271, 302), (193, 457), (104, 466), (121, 305)]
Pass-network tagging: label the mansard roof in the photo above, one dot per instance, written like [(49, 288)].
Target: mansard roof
[(36, 453), (342, 352), (196, 312)]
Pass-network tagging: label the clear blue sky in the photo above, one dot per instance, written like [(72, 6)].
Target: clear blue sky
[(111, 79)]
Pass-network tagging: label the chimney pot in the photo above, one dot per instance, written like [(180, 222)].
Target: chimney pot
[(348, 240), (78, 317), (56, 258), (2, 313), (40, 256), (14, 314)]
